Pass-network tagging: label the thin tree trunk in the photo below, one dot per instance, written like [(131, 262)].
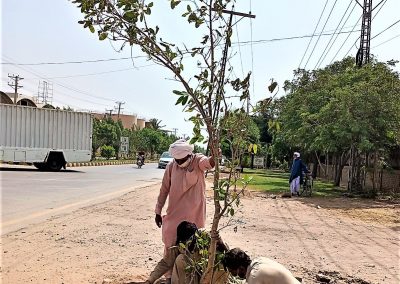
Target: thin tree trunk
[(319, 163), (341, 162)]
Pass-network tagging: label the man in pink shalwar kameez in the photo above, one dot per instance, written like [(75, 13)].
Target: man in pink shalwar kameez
[(184, 185)]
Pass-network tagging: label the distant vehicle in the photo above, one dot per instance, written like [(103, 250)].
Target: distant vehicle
[(45, 138), (139, 163), (164, 160)]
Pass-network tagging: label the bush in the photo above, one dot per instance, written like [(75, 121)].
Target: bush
[(107, 151), (284, 166)]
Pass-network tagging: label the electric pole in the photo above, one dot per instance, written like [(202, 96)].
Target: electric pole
[(363, 53), (109, 111), (15, 84), (119, 108), (227, 44), (175, 130)]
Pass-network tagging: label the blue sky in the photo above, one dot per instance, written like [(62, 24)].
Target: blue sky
[(47, 31)]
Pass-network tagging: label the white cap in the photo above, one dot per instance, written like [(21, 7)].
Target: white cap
[(297, 154)]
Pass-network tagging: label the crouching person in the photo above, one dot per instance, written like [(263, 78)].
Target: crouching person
[(260, 270), (183, 257)]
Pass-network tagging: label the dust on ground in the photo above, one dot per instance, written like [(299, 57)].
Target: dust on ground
[(344, 240)]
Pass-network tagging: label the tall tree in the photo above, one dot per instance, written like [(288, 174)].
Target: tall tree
[(344, 110)]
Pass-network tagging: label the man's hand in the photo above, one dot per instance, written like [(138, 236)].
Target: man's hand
[(158, 220)]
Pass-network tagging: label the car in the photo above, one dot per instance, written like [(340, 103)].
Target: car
[(164, 160)]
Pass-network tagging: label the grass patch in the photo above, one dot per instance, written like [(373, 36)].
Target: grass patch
[(278, 182)]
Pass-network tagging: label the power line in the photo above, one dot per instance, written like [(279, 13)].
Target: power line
[(76, 62), (323, 28), (386, 41), (64, 86), (323, 55), (309, 42), (101, 73), (240, 52), (292, 37), (395, 23)]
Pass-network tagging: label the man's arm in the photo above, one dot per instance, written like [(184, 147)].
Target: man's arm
[(207, 163), (164, 190)]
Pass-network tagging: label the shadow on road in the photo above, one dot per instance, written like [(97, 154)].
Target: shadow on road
[(35, 170)]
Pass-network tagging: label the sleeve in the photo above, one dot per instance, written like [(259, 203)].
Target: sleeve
[(164, 190), (204, 162), (165, 264)]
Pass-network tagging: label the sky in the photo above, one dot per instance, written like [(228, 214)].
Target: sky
[(36, 32)]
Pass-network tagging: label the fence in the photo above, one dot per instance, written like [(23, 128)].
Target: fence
[(388, 180)]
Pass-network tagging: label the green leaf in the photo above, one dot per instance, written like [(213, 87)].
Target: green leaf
[(272, 87), (91, 28), (103, 36), (174, 3)]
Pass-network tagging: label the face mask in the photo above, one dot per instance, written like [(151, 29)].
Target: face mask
[(186, 163)]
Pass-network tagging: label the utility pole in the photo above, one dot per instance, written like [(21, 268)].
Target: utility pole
[(118, 108), (109, 111), (225, 55), (363, 53), (175, 130), (15, 84)]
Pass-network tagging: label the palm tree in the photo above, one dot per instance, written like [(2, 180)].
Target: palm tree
[(156, 124)]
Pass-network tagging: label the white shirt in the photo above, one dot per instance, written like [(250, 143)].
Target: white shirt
[(263, 270)]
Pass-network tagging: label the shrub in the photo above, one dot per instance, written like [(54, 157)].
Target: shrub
[(107, 151)]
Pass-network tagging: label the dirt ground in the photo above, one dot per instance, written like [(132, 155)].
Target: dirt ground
[(116, 241)]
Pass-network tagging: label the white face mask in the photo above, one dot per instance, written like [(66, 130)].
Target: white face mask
[(186, 163)]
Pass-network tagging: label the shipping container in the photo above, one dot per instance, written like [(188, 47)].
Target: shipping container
[(46, 138)]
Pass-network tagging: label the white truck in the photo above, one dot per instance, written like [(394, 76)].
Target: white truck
[(45, 138)]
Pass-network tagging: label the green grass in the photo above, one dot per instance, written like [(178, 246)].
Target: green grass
[(278, 182)]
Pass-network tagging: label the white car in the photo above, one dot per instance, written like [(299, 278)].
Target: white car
[(164, 160)]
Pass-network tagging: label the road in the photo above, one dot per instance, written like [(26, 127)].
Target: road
[(30, 196)]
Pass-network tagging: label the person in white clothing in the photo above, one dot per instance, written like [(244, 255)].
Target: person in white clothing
[(261, 270), (296, 174)]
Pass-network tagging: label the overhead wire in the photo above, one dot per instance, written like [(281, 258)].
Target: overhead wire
[(386, 41), (240, 52), (389, 27), (75, 62), (326, 51), (323, 28), (61, 85), (309, 42)]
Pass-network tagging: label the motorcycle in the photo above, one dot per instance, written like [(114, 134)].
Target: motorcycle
[(139, 163)]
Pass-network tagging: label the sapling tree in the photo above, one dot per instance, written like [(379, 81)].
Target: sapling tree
[(202, 91)]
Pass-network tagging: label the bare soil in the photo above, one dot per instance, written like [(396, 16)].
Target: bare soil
[(342, 240)]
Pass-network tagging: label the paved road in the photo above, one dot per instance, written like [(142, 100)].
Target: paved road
[(29, 196)]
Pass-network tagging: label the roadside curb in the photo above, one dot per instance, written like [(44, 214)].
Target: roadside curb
[(100, 163)]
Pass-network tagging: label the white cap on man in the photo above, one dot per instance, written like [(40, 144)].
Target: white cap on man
[(180, 149), (296, 154)]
